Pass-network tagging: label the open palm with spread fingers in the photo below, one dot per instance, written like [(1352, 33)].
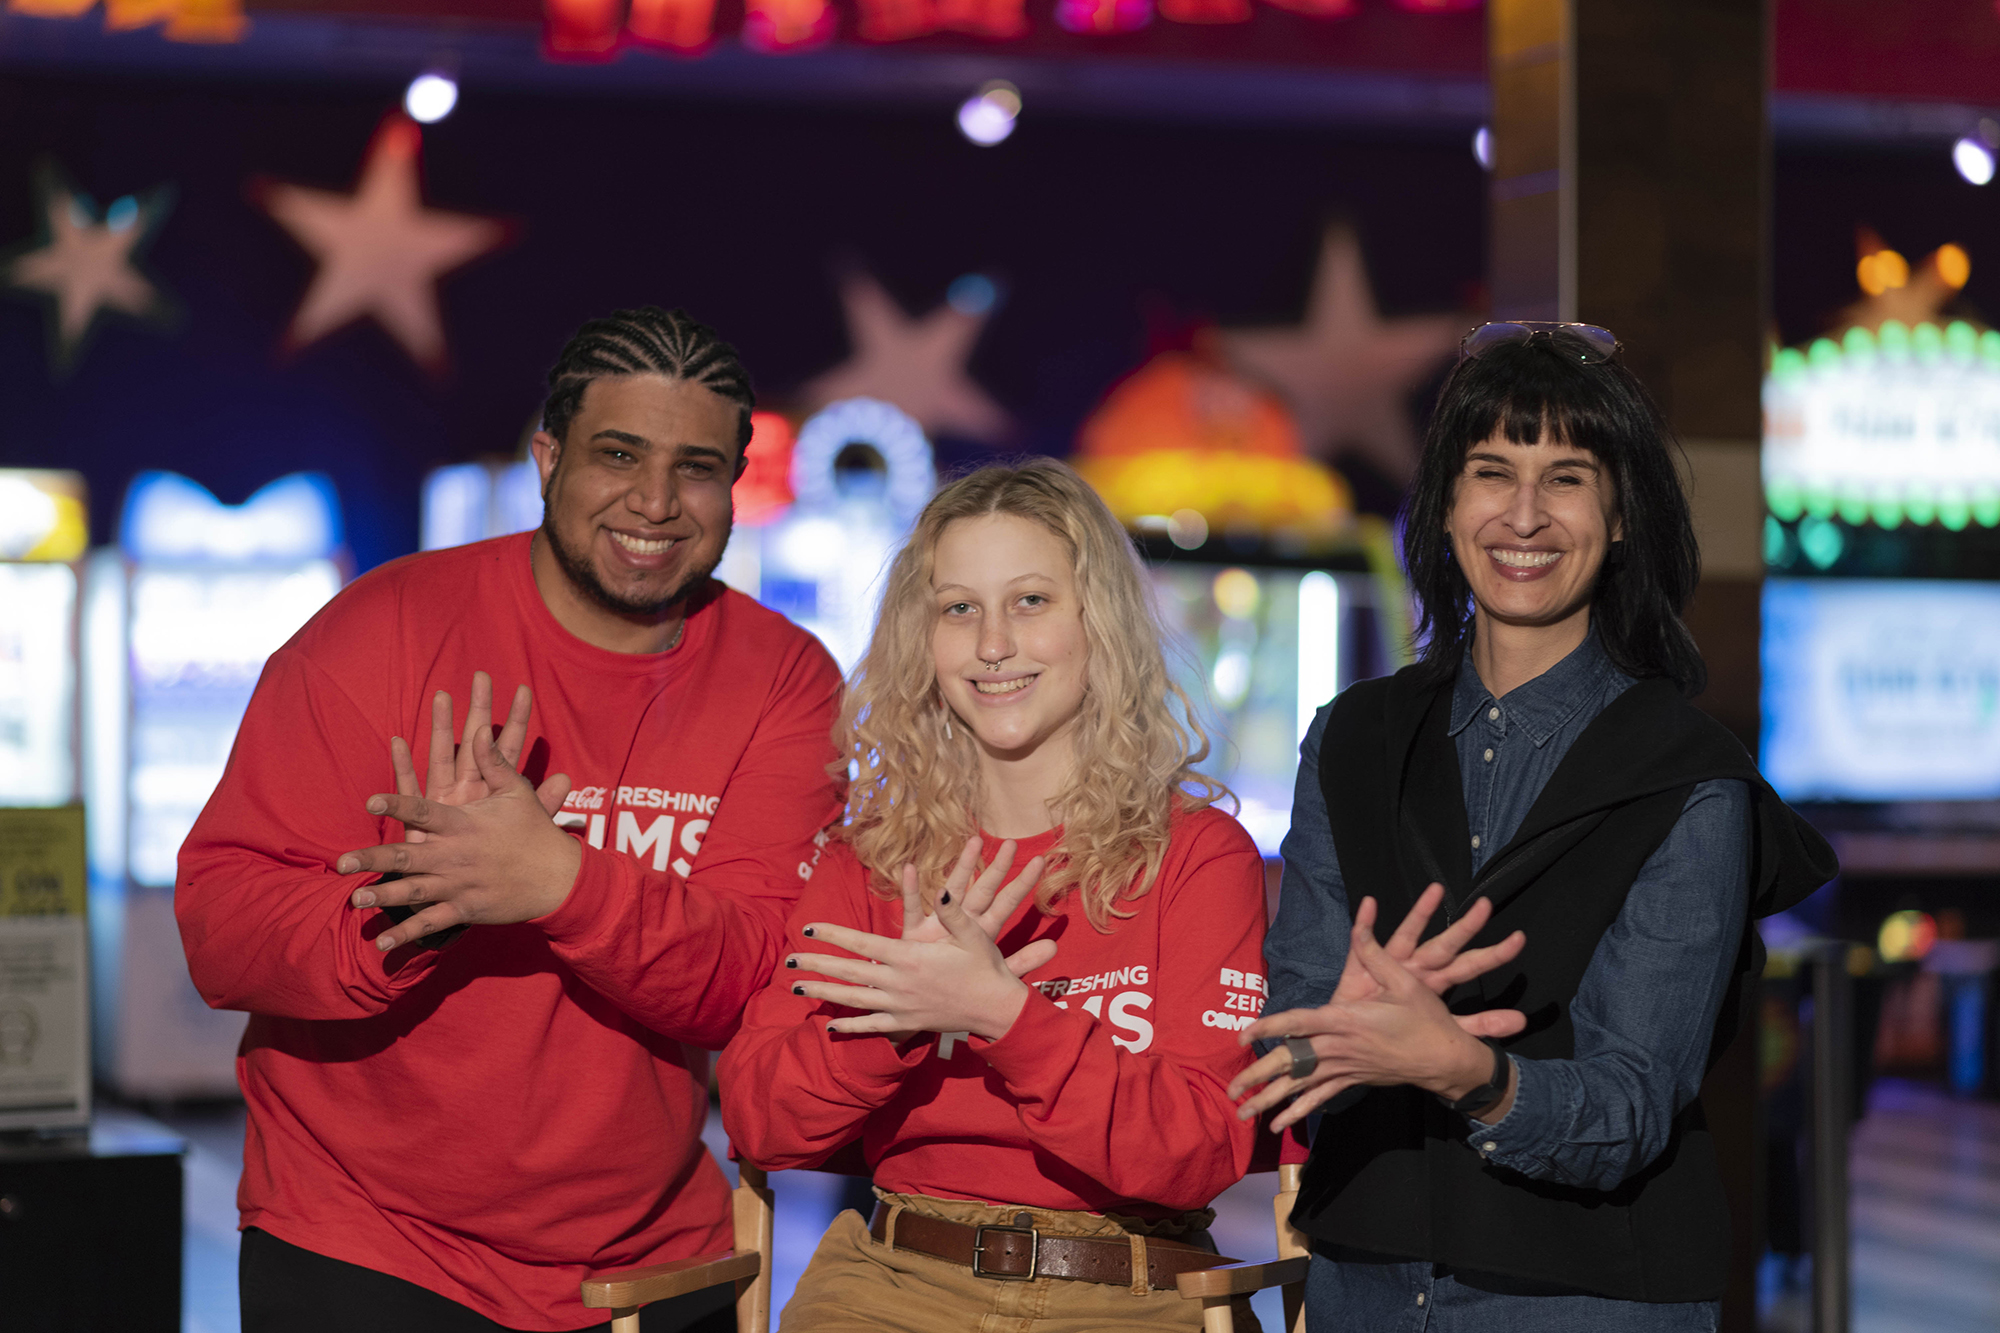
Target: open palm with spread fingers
[(945, 974), (452, 775), (498, 858), (1378, 974)]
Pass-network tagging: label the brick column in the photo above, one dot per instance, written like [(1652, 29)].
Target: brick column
[(1630, 189)]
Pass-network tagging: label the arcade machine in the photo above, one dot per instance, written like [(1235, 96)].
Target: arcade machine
[(861, 472), (42, 533), (44, 1034), (1881, 693), (1278, 594), (469, 502), (178, 620), (76, 1180)]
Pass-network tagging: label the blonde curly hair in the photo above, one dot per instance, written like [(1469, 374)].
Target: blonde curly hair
[(915, 792)]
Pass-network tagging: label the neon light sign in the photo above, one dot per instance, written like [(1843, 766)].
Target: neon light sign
[(1894, 426)]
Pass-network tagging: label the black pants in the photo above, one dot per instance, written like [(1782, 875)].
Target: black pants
[(286, 1289)]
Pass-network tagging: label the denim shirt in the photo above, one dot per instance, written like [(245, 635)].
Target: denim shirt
[(1645, 1012)]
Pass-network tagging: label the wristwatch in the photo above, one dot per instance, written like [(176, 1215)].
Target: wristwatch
[(1487, 1093)]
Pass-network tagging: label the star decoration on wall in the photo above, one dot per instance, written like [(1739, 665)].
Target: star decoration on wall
[(917, 364), (380, 251), (1346, 371), (84, 266)]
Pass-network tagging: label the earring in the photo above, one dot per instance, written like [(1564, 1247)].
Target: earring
[(947, 724)]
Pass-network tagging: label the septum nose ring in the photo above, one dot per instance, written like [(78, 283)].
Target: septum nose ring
[(991, 666)]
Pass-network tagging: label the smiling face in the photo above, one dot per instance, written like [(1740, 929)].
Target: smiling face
[(1530, 524), (1008, 645), (637, 508)]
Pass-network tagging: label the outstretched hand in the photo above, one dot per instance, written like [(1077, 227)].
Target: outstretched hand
[(945, 974), (498, 859), (1385, 1023), (453, 772)]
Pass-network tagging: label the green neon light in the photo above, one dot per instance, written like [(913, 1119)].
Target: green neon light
[(1821, 542), (1776, 540), (1927, 344)]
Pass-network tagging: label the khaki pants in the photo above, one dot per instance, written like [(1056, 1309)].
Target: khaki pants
[(856, 1283)]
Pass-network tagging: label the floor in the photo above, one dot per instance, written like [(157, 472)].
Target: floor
[(1926, 1213), (1926, 1219)]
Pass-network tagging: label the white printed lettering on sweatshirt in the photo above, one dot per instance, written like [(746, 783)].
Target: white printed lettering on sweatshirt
[(647, 838)]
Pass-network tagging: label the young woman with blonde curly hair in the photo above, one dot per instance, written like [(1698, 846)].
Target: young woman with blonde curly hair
[(1020, 968)]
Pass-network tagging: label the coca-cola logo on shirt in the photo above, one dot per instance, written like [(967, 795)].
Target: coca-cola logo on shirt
[(669, 840)]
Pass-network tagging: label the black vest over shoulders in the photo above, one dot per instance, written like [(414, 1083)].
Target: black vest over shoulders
[(1392, 1173)]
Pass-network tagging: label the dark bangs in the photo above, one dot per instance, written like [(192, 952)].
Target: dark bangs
[(1542, 389)]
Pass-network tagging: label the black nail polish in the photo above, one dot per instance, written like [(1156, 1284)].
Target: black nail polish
[(807, 932), (799, 989), (791, 962), (944, 897)]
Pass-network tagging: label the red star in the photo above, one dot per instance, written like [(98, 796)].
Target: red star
[(917, 364), (86, 266), (1346, 371), (380, 251)]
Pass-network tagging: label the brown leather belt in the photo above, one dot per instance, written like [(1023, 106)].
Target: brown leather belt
[(1021, 1253)]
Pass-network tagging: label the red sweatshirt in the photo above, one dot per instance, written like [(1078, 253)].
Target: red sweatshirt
[(493, 1119), (1106, 1095)]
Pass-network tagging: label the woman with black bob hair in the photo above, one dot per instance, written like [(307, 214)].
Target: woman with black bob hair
[(1525, 1150), (1519, 389)]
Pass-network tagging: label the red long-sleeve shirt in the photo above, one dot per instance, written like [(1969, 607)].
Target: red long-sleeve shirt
[(493, 1119), (1108, 1092)]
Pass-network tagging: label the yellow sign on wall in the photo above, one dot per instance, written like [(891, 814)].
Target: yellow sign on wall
[(44, 970)]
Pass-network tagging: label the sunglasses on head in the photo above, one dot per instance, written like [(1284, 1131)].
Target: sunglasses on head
[(1600, 345)]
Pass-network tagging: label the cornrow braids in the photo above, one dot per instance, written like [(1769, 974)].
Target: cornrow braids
[(647, 341)]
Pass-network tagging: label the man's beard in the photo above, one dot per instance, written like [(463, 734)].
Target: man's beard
[(583, 577)]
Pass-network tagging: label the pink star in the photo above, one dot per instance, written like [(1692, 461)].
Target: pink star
[(86, 266), (1346, 371), (917, 364), (380, 251)]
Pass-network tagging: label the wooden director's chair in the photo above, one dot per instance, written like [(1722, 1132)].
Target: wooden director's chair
[(748, 1266)]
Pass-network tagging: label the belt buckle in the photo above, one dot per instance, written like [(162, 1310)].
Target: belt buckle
[(979, 1250)]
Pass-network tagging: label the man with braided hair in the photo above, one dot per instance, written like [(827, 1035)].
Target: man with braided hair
[(464, 1095)]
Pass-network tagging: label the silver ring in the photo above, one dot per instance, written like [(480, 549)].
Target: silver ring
[(1304, 1058)]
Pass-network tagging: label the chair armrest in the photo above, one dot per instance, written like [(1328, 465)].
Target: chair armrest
[(630, 1287), (1240, 1279)]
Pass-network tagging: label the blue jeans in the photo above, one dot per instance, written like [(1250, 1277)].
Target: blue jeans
[(1358, 1292)]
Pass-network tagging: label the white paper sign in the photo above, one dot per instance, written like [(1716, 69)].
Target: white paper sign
[(44, 970)]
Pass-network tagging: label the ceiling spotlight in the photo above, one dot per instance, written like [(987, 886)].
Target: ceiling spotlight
[(988, 115), (1482, 146), (1974, 160), (431, 97)]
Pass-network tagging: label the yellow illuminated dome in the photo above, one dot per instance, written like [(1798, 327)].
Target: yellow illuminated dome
[(1184, 434)]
